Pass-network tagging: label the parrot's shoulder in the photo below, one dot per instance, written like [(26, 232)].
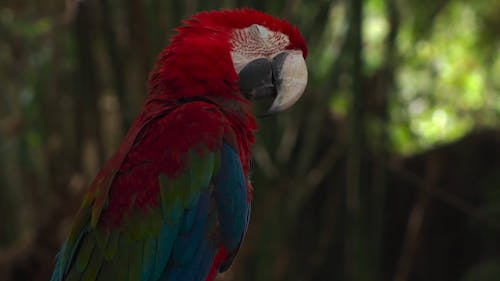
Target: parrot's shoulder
[(188, 126), (164, 146)]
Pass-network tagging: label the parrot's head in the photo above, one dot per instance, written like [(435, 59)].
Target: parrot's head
[(231, 57)]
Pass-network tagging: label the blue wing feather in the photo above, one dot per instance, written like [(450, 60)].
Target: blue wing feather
[(233, 206), (203, 260), (189, 241), (149, 259), (164, 247)]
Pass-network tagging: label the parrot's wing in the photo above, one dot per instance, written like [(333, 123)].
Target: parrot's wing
[(198, 213), (219, 223), (233, 204)]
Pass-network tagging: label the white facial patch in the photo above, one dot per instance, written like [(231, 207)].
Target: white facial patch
[(262, 31), (256, 41)]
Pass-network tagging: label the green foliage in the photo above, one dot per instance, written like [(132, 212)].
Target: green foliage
[(444, 84)]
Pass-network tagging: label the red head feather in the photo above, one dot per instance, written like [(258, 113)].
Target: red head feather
[(198, 62)]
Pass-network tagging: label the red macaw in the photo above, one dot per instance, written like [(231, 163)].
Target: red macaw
[(174, 202)]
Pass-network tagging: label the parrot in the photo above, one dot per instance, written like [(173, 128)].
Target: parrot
[(173, 203)]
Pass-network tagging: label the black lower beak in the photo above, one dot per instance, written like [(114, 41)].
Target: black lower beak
[(257, 81), (259, 78), (282, 78)]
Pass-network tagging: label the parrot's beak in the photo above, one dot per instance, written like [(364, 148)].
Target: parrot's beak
[(290, 72), (283, 78)]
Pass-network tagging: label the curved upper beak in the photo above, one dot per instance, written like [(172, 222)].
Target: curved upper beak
[(291, 79), (283, 78)]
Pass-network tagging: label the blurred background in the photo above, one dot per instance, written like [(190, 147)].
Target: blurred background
[(387, 169)]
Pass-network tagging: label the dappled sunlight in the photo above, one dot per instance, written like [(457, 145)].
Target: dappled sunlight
[(375, 30), (443, 82)]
